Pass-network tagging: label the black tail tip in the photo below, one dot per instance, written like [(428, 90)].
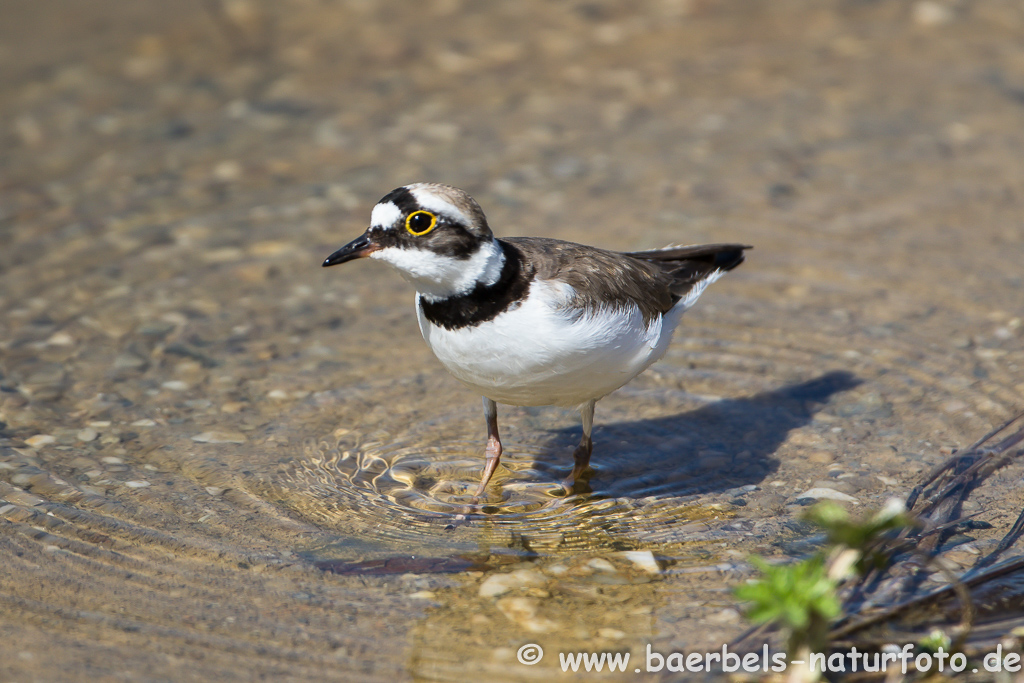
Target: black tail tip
[(727, 259)]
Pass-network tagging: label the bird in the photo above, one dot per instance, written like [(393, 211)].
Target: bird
[(532, 321)]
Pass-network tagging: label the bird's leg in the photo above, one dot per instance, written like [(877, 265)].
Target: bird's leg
[(493, 451), (582, 453)]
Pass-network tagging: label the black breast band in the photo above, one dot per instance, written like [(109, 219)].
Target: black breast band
[(483, 302)]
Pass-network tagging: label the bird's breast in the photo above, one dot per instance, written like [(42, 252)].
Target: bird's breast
[(543, 352)]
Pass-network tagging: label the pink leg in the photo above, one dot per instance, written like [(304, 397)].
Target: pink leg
[(493, 451), (582, 453)]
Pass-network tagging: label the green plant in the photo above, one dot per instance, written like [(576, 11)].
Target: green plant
[(802, 598), (864, 536)]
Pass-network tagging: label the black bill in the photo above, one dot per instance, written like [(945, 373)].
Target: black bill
[(358, 248)]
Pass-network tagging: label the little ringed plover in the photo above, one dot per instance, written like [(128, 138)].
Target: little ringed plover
[(531, 321)]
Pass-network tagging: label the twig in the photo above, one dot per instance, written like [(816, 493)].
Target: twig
[(1008, 540), (938, 470), (751, 633), (967, 611), (1016, 564)]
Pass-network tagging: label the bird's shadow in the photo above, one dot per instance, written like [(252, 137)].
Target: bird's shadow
[(721, 446)]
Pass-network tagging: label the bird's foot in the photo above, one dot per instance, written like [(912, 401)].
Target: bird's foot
[(493, 453), (582, 458)]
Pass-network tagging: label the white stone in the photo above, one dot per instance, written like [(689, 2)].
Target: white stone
[(601, 565), (87, 434), (60, 339), (499, 584), (523, 611), (643, 559), (40, 440), (220, 437), (611, 633), (821, 492)]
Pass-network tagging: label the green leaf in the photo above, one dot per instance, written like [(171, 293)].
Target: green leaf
[(793, 595)]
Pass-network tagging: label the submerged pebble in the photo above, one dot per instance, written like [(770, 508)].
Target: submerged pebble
[(601, 565), (523, 611), (87, 434), (643, 559), (820, 492), (220, 437), (611, 633), (499, 584), (40, 440), (423, 595)]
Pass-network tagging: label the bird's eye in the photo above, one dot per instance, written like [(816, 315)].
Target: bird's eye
[(419, 223)]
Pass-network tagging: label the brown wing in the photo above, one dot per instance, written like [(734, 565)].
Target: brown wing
[(653, 281)]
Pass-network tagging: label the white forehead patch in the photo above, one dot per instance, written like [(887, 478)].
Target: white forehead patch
[(384, 215), (436, 204)]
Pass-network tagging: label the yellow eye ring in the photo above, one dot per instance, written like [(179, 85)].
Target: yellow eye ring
[(416, 220)]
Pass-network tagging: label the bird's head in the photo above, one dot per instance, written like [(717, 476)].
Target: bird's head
[(435, 235)]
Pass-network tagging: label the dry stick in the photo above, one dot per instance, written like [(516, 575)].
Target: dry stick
[(958, 480), (942, 506), (1009, 539), (947, 525), (751, 633), (905, 584), (952, 460), (1010, 566), (962, 479), (987, 457), (995, 431), (967, 610), (898, 545), (956, 585)]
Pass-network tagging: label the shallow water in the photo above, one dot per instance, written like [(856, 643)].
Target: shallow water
[(219, 460)]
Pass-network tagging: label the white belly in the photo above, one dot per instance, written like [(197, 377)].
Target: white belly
[(536, 354)]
